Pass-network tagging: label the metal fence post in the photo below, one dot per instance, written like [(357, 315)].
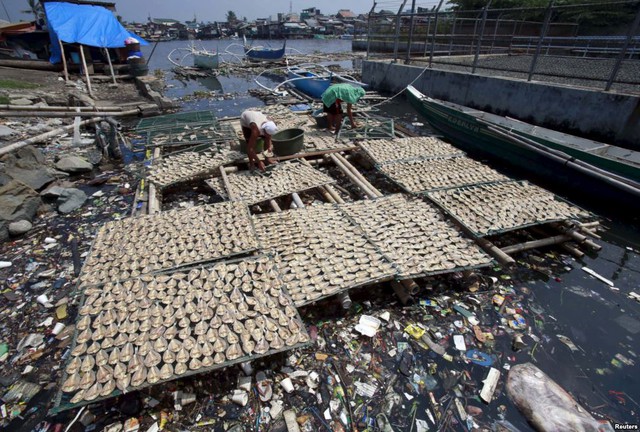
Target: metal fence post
[(627, 42), (484, 21), (407, 59), (453, 33), (369, 29), (435, 30), (545, 28), (397, 40)]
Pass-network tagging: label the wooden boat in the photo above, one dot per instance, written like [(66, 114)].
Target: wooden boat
[(202, 59), (206, 60), (308, 82), (568, 160), (260, 53)]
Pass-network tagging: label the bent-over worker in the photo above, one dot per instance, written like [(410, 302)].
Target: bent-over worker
[(256, 125), (332, 99)]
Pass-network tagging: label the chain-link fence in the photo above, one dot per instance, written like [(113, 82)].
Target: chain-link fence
[(593, 45)]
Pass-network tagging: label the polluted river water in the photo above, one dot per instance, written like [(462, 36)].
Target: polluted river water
[(585, 332), (579, 330)]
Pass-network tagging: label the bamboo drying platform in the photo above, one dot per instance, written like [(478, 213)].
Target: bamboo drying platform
[(404, 149), (415, 236), (176, 119), (157, 328), (320, 252), (281, 179), (371, 127), (418, 176), (191, 135), (500, 207), (136, 246), (190, 165)]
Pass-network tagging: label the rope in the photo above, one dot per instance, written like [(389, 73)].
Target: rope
[(401, 91)]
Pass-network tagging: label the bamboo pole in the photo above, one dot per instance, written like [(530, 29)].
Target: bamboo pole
[(580, 238), (325, 190), (86, 71), (275, 206), (61, 108), (153, 204), (572, 250), (401, 292), (533, 244), (358, 174), (64, 62), (593, 224), (113, 75), (368, 192), (589, 232), (67, 114), (495, 251), (227, 185), (44, 136), (297, 200)]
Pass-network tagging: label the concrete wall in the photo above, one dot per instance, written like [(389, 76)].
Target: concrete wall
[(607, 117)]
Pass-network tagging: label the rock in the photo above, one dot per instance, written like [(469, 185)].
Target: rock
[(21, 101), (19, 227), (71, 199), (34, 178), (18, 202), (4, 231), (73, 164), (7, 132), (31, 153), (52, 192)]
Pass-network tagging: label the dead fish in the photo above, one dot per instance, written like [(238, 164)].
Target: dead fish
[(71, 384), (104, 374), (87, 380), (139, 376), (123, 383), (108, 388), (153, 375), (181, 368), (73, 366), (166, 371)]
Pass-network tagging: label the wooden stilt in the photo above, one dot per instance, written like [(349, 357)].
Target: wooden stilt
[(274, 205), (401, 292), (579, 238), (113, 75), (358, 175), (64, 62), (297, 200), (86, 71)]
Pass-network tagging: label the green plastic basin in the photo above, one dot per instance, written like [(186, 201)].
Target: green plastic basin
[(288, 142)]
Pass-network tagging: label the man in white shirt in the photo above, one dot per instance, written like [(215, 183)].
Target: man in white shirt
[(256, 125)]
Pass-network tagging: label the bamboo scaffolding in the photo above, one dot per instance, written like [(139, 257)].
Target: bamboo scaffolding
[(533, 244), (579, 238)]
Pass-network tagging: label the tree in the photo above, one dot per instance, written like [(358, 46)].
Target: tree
[(35, 8), (231, 17)]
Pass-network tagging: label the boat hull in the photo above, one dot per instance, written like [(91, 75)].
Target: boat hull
[(265, 54), (206, 61), (308, 82), (467, 132)]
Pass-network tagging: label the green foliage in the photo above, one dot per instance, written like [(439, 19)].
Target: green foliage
[(231, 17), (12, 84), (4, 100)]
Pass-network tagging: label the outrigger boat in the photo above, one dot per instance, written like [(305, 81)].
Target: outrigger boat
[(202, 58), (264, 54), (310, 78), (308, 82), (564, 158)]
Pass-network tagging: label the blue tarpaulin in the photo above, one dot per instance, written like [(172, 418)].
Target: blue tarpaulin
[(84, 24)]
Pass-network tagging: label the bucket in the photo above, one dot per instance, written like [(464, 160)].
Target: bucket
[(321, 118), (288, 142), (75, 57), (259, 146), (138, 69)]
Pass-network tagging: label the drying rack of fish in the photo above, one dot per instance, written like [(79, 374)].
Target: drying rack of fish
[(281, 179), (136, 246), (156, 328), (190, 165), (439, 173), (191, 135), (369, 127), (405, 149), (317, 140), (204, 117), (501, 207), (320, 252), (415, 236), (284, 117)]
